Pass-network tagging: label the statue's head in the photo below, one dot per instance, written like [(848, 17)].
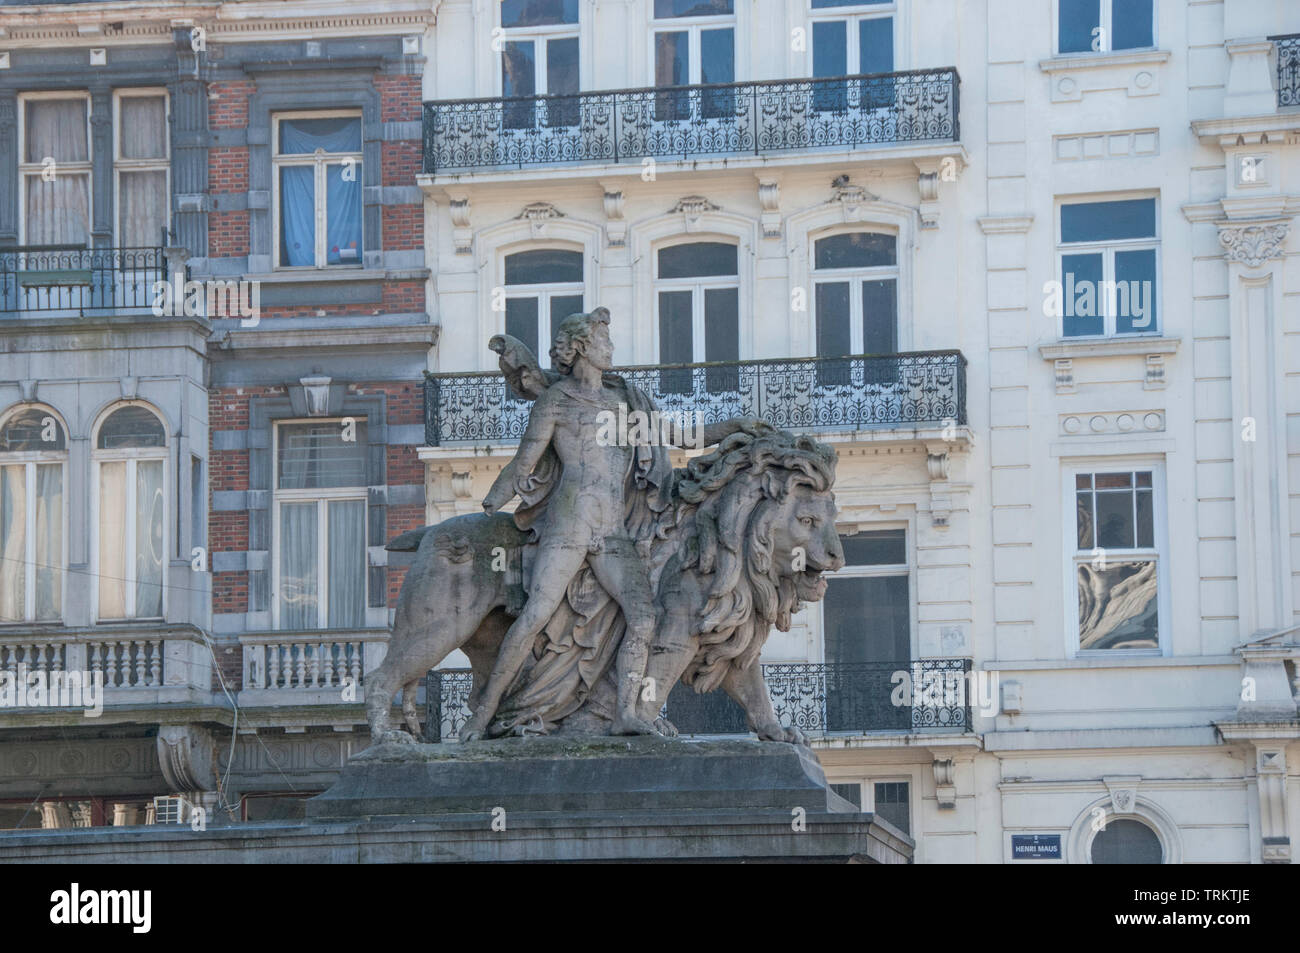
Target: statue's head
[(583, 336)]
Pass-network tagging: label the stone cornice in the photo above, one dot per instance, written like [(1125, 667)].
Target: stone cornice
[(1080, 61), (1249, 130)]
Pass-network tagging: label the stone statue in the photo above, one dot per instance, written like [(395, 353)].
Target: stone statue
[(617, 575)]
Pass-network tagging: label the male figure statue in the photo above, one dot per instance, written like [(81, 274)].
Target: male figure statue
[(584, 511)]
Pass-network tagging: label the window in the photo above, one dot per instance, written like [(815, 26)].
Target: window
[(130, 463), (701, 51), (1104, 25), (55, 168), (1115, 559), (890, 802), (866, 612), (140, 166), (850, 791), (1108, 268), (320, 522), (318, 189), (1125, 841), (855, 294), (849, 39), (33, 459), (699, 314), (543, 287), (539, 57)]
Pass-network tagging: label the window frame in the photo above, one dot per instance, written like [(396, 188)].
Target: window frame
[(543, 292), (121, 165), (852, 15), (30, 459), (697, 286), (322, 497), (692, 27), (321, 161), (27, 169), (1105, 22), (540, 37), (878, 570), (1159, 553), (1108, 247), (132, 456), (855, 276)]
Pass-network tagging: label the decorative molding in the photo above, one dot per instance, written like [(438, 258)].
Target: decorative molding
[(538, 215), (1270, 769), (1253, 244), (1155, 373), (187, 757), (316, 390), (851, 198), (1005, 224), (1064, 368), (1108, 347), (692, 207), (462, 236), (769, 199), (1106, 145), (1123, 793), (938, 468), (1151, 421), (615, 223), (945, 783)]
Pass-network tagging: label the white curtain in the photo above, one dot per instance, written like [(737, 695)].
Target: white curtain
[(49, 541), (347, 564), (13, 541), (142, 208), (112, 540), (149, 541), (143, 133), (298, 588), (58, 211)]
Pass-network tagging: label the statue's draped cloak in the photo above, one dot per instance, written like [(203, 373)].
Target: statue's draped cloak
[(579, 643)]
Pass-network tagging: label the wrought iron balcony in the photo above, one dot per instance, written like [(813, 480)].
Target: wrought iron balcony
[(845, 393), (1288, 69), (72, 279), (817, 698), (682, 122)]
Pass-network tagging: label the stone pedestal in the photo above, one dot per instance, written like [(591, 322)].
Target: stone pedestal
[(551, 799)]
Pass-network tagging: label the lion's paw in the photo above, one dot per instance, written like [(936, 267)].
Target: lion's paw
[(665, 727)]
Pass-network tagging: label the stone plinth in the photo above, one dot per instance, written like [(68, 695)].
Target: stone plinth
[(531, 800)]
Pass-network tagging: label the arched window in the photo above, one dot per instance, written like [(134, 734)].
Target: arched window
[(698, 304), (33, 459), (1126, 841), (543, 287), (130, 472)]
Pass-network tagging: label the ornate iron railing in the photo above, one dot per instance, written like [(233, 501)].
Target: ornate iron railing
[(1288, 69), (817, 698), (611, 126), (792, 393), (71, 278)]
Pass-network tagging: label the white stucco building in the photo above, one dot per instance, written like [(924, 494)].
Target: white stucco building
[(722, 177)]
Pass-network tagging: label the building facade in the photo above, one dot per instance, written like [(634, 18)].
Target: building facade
[(1023, 264)]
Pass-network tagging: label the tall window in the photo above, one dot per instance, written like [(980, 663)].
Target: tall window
[(130, 464), (543, 287), (1104, 25), (55, 168), (539, 57), (140, 165), (318, 189), (866, 615), (1108, 268), (855, 291), (33, 457), (320, 520), (851, 37), (699, 314), (1115, 559), (694, 43), (889, 800)]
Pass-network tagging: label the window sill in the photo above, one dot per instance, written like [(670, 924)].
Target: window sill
[(333, 273), (1063, 62), (1109, 347)]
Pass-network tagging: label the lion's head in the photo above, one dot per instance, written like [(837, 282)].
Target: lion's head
[(758, 528)]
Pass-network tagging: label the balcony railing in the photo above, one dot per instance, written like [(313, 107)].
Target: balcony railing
[(817, 698), (1288, 69), (682, 122), (852, 393), (317, 667), (75, 280)]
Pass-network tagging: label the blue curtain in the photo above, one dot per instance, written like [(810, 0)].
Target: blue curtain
[(343, 214), (298, 215), (305, 136)]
